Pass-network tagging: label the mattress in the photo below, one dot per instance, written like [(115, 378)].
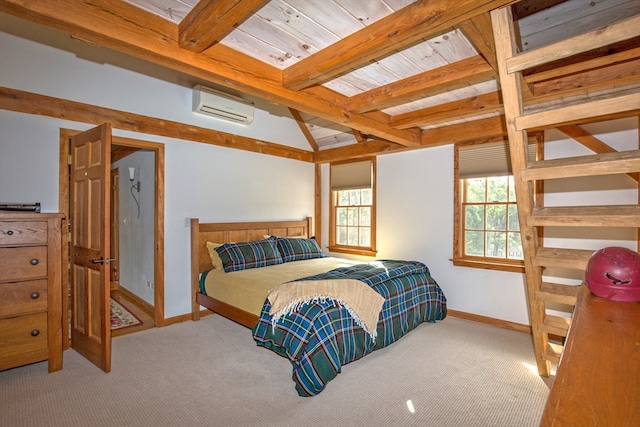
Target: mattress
[(248, 289)]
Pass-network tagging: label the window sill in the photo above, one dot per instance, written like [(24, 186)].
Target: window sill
[(516, 267), (352, 250)]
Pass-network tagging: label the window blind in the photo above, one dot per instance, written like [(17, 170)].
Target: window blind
[(351, 176), (491, 159)]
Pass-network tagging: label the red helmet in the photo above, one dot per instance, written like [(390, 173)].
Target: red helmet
[(614, 273)]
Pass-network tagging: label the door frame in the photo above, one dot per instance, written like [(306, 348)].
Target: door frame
[(63, 203), (114, 193)]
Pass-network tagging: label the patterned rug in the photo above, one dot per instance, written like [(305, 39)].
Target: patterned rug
[(121, 317)]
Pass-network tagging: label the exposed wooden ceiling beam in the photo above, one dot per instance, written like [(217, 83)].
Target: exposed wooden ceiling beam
[(304, 129), (31, 103), (420, 20), (453, 76), (461, 109), (128, 29), (467, 131), (479, 32), (470, 131), (210, 21), (354, 151), (359, 136), (586, 139)]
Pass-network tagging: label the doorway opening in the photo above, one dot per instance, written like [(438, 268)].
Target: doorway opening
[(131, 271), (137, 240)]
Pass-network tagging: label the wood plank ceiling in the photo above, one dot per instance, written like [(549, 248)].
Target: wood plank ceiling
[(362, 77)]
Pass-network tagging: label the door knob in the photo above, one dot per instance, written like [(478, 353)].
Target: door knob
[(102, 260)]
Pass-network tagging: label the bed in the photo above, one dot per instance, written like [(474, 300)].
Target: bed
[(319, 312)]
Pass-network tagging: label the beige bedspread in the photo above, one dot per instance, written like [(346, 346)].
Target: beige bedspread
[(248, 289)]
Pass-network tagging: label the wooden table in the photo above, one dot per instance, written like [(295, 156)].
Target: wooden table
[(598, 379)]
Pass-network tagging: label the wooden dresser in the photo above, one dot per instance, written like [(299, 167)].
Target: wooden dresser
[(31, 320), (598, 379)]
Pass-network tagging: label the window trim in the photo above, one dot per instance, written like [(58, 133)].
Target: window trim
[(459, 258), (353, 250)]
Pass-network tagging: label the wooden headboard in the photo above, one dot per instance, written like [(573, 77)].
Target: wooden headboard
[(223, 232)]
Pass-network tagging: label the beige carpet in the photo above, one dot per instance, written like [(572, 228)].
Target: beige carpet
[(210, 373)]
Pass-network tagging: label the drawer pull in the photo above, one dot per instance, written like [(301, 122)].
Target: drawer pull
[(35, 295), (34, 261), (35, 333), (10, 233)]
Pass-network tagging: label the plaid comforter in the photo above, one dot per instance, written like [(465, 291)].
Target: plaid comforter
[(322, 336)]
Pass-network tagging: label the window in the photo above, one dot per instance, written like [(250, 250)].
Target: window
[(352, 219), (490, 223), (487, 231)]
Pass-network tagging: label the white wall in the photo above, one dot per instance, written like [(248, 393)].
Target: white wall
[(426, 206), (415, 221), (136, 226)]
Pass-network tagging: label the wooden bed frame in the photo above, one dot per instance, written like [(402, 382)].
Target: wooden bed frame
[(231, 232)]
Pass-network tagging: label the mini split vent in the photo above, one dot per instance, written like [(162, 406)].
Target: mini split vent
[(222, 105)]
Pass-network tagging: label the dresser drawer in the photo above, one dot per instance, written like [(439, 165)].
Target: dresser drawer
[(20, 233), (24, 340), (32, 300), (23, 297), (23, 263)]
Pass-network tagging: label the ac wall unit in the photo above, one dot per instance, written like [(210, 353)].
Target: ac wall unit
[(222, 105)]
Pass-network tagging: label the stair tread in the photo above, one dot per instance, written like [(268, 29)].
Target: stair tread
[(557, 325), (557, 321), (597, 164), (553, 353), (556, 292), (597, 106), (597, 216), (561, 257)]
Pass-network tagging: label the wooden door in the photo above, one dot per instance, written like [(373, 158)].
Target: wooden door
[(90, 234)]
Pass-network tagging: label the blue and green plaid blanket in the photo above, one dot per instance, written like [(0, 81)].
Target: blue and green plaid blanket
[(322, 336)]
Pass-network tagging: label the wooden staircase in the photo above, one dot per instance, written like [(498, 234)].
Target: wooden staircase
[(605, 103)]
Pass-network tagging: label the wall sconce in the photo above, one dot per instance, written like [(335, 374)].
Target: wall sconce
[(132, 172)]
